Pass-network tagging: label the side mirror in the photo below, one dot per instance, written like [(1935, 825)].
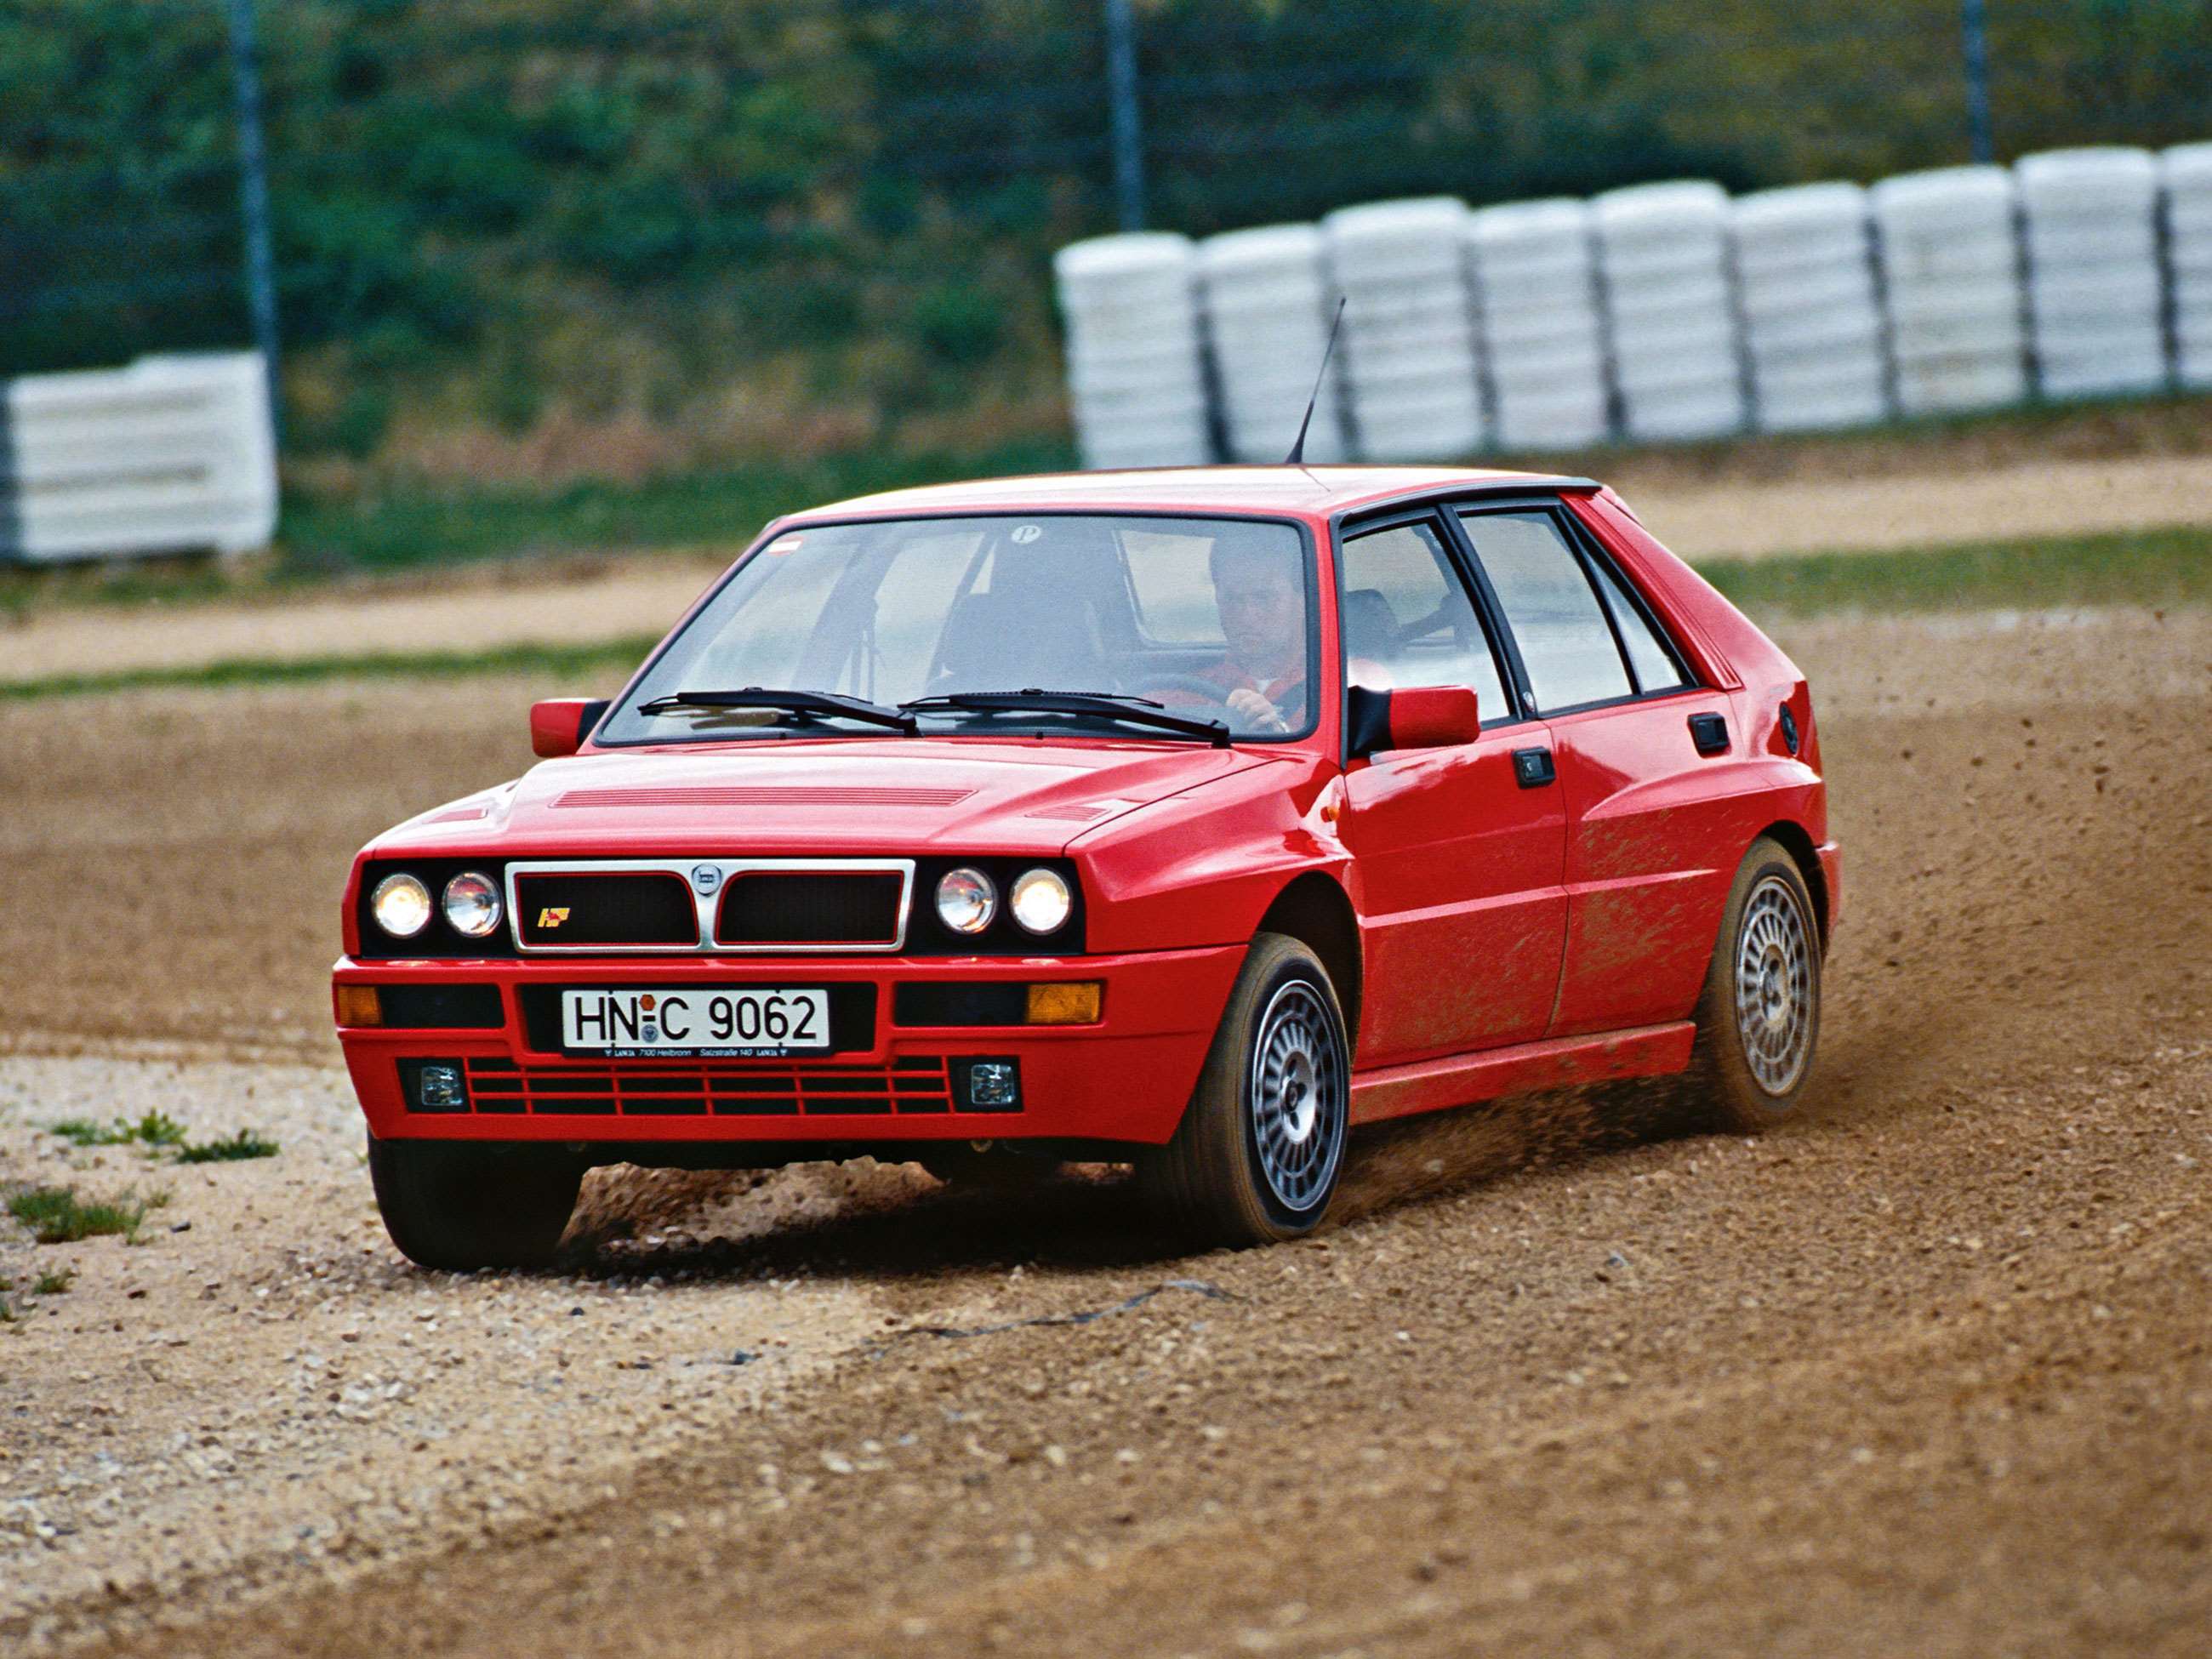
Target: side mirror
[(1416, 717), (558, 725)]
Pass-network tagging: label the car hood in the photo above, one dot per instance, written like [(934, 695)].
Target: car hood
[(1014, 796)]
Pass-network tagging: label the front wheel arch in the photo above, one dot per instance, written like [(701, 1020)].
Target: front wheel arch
[(1315, 910)]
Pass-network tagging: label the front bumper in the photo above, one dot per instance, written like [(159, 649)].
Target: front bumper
[(1123, 1078)]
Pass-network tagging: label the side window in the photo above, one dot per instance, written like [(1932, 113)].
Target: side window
[(1654, 666), (1407, 622), (1565, 644)]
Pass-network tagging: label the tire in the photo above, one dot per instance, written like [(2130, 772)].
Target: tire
[(462, 1208), (1759, 1017), (1261, 1146)]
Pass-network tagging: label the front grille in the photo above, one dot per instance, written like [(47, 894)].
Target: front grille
[(578, 1089), (580, 911), (807, 907)]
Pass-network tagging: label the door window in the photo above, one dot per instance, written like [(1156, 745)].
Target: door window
[(1565, 643), (1408, 621)]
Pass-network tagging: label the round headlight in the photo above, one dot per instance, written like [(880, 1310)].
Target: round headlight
[(1040, 901), (472, 906), (401, 905), (966, 900)]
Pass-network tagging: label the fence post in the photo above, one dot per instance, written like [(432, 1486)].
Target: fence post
[(1128, 123), (1973, 24), (253, 197)]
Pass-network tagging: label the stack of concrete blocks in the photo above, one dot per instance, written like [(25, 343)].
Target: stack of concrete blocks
[(1409, 348), (173, 454), (1535, 273), (1268, 302), (1135, 374), (1951, 267), (1812, 319), (1670, 309), (2089, 223), (2185, 175)]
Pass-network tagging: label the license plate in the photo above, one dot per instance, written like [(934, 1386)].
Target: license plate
[(694, 1023)]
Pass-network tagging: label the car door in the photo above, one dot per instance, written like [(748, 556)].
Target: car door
[(1651, 833), (1459, 851)]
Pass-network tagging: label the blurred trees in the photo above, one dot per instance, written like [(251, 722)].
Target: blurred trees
[(486, 207)]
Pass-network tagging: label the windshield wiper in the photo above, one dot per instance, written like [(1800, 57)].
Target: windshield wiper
[(1114, 705), (811, 703)]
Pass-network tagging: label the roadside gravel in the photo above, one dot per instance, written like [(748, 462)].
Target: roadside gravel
[(258, 1385)]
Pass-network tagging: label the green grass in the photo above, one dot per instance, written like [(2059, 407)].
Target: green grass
[(156, 1128), (54, 1283), (405, 529), (56, 1215), (228, 1149), (2143, 568), (156, 1131), (606, 658)]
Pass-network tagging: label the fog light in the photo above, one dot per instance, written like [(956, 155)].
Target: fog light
[(994, 1085), (440, 1089), (359, 1005), (1071, 1002)]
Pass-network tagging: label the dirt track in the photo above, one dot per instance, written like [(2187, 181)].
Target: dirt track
[(1929, 1372)]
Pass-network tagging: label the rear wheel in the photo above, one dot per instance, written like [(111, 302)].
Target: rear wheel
[(462, 1207), (1758, 1020), (1260, 1146)]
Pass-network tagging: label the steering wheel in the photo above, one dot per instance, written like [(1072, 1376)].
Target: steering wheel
[(1165, 681)]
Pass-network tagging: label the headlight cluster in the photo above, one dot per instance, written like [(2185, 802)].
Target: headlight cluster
[(968, 901), (401, 905)]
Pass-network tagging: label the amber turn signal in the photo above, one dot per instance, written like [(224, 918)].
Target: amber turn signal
[(359, 1005), (1068, 1002)]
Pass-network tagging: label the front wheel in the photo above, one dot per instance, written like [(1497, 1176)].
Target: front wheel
[(462, 1207), (1260, 1146), (1758, 1019)]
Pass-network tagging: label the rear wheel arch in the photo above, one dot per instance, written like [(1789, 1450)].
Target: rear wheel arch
[(1315, 911), (1799, 845)]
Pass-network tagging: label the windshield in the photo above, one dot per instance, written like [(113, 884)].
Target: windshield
[(1210, 617)]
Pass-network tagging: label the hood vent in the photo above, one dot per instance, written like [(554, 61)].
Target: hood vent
[(763, 794)]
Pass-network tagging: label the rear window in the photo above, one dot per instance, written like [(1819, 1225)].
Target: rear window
[(1565, 643)]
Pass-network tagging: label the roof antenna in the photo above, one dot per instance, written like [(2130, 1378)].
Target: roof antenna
[(1298, 455)]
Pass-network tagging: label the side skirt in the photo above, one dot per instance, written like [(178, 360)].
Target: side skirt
[(1429, 1085)]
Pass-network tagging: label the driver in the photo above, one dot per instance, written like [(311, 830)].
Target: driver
[(1261, 594)]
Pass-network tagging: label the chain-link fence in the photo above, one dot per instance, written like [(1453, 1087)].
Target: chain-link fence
[(573, 200)]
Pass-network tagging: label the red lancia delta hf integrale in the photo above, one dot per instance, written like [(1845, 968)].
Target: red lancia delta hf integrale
[(1184, 819)]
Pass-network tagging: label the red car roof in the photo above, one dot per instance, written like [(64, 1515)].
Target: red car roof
[(1285, 490)]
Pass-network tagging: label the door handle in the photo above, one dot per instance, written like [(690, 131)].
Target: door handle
[(1710, 732), (1532, 768)]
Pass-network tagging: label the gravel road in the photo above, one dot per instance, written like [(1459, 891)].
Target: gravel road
[(1927, 1371)]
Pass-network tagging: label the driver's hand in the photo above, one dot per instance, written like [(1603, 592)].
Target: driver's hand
[(1254, 710)]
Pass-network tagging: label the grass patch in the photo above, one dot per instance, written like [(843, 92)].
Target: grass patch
[(157, 1131), (156, 1128), (570, 662), (228, 1149), (54, 1283), (56, 1215), (2144, 566), (401, 529)]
